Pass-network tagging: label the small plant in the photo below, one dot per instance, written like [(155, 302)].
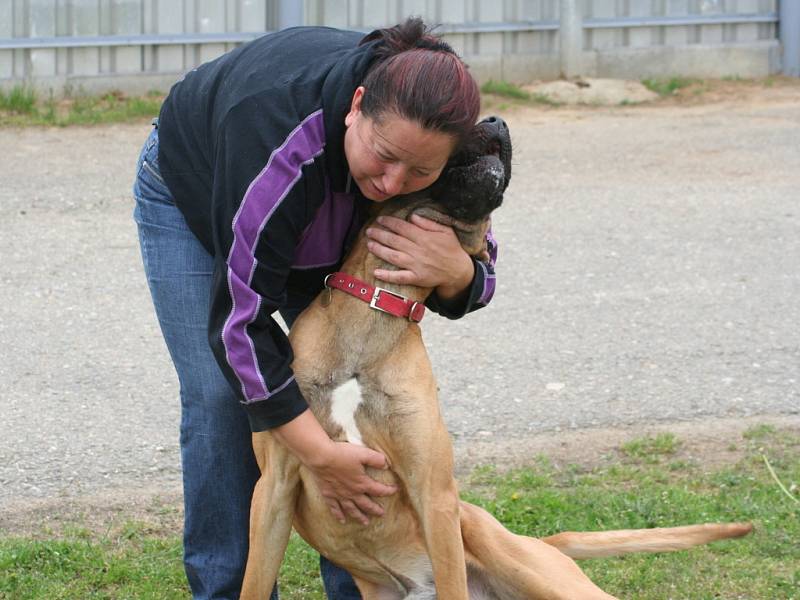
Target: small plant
[(667, 87), (21, 100), (514, 92), (651, 448), (759, 432), (503, 88)]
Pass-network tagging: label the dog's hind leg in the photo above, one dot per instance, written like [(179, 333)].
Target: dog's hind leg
[(271, 515), (521, 567)]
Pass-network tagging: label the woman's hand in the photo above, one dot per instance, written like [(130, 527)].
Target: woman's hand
[(344, 483), (426, 253), (338, 467)]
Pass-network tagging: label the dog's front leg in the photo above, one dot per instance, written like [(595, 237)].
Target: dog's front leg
[(271, 515), (438, 509), (419, 448)]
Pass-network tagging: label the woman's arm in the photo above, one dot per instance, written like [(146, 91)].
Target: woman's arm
[(338, 468)]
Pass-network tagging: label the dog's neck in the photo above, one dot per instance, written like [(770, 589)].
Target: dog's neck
[(361, 263), (364, 334)]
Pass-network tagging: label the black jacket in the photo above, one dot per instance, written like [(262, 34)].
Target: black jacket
[(251, 145)]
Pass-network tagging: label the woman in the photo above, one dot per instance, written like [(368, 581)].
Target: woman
[(249, 191)]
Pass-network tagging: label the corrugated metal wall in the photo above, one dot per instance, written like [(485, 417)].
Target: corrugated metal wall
[(69, 18), (530, 50), (600, 39), (369, 13)]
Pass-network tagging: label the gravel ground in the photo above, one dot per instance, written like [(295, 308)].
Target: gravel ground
[(648, 275)]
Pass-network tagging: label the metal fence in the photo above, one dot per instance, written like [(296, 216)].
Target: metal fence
[(135, 45)]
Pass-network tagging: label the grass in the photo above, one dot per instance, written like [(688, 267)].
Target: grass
[(668, 86), (23, 106), (649, 482), (20, 100), (503, 89), (651, 448)]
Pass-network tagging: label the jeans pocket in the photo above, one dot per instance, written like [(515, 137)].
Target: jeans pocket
[(149, 184), (152, 168)]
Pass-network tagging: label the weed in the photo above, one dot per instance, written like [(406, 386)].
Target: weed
[(514, 93), (651, 448), (503, 88), (759, 432), (667, 87), (21, 100)]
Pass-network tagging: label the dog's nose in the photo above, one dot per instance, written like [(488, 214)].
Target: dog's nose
[(497, 121)]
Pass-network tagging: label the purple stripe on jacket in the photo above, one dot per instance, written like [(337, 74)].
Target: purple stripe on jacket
[(323, 240), (489, 280), (262, 198), (489, 283)]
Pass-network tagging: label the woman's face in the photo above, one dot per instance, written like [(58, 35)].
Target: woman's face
[(394, 156)]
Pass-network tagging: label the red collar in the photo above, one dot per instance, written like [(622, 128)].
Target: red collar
[(378, 297)]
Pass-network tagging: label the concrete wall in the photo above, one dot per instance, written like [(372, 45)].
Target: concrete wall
[(513, 40)]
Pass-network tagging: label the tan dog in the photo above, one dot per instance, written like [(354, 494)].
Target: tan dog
[(428, 544)]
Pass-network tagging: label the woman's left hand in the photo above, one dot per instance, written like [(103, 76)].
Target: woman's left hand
[(426, 253)]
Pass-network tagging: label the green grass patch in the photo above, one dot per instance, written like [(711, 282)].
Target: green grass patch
[(21, 100), (136, 563), (667, 87), (505, 89), (651, 449), (22, 106), (509, 91), (759, 432), (647, 484)]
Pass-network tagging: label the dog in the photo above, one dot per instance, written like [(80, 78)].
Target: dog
[(429, 544)]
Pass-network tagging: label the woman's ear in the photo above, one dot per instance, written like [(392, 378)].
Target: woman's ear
[(355, 106)]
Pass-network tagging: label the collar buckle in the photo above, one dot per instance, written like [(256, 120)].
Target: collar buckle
[(376, 298)]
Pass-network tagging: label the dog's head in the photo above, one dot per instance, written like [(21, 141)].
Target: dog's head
[(472, 184), (468, 190)]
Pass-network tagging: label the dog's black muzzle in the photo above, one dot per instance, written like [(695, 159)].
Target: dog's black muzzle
[(473, 183)]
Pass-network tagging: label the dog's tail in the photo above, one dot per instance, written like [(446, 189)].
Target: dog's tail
[(576, 544)]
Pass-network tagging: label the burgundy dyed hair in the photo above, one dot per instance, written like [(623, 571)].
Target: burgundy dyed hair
[(420, 78)]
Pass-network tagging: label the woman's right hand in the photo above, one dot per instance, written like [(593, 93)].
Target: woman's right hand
[(344, 483), (339, 468)]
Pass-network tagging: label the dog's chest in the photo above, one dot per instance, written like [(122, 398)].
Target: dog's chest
[(345, 401)]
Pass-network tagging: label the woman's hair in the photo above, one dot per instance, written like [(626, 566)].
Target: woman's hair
[(420, 78)]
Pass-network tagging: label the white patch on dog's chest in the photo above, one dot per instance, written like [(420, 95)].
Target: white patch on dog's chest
[(344, 403)]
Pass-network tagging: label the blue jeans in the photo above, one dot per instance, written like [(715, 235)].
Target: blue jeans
[(219, 468)]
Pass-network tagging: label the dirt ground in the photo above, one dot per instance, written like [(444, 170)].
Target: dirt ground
[(654, 248)]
